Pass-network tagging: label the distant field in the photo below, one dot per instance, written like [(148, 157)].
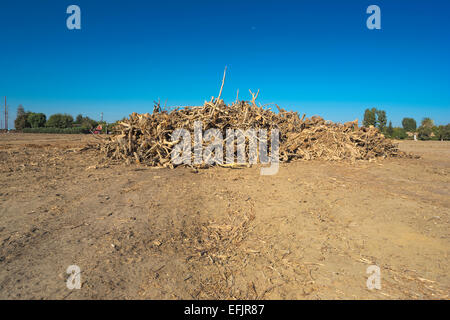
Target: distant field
[(308, 232)]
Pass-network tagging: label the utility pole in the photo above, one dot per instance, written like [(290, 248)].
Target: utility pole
[(101, 117), (6, 116)]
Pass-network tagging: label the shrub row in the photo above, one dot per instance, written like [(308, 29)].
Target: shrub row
[(75, 130)]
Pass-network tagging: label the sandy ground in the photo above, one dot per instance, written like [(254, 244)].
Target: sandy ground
[(309, 232)]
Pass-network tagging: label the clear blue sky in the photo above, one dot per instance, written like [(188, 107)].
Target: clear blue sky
[(315, 56)]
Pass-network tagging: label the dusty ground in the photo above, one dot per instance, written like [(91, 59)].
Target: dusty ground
[(309, 232)]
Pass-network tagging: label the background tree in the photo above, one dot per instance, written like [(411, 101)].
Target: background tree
[(20, 110), (399, 133), (427, 130), (427, 122), (409, 124), (424, 133), (376, 118), (79, 119), (390, 129), (436, 132), (370, 118), (444, 132), (381, 119), (59, 121), (21, 121), (36, 120), (88, 123)]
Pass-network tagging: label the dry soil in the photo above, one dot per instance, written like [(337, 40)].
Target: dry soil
[(308, 232)]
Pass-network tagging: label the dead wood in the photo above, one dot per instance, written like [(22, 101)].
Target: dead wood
[(146, 138)]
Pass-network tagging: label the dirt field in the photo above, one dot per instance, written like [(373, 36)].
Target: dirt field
[(309, 232)]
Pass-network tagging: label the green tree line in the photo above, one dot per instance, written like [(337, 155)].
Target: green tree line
[(32, 122), (426, 131)]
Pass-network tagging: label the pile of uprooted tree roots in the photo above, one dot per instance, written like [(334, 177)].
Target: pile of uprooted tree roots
[(147, 138)]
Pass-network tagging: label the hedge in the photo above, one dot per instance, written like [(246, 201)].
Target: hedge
[(76, 130)]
